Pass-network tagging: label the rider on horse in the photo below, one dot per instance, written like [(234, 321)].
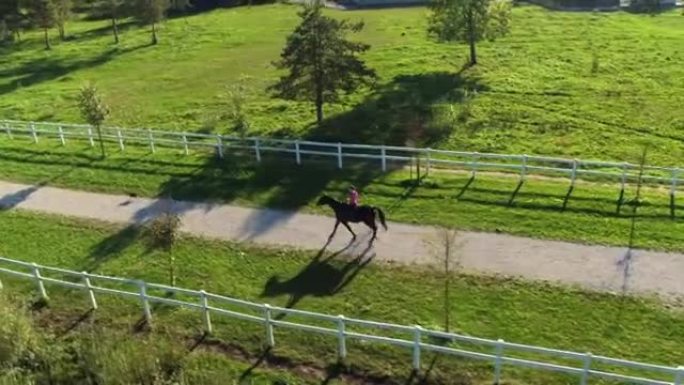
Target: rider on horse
[(353, 197)]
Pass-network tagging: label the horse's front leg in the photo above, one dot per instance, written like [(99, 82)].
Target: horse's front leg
[(337, 223), (350, 230)]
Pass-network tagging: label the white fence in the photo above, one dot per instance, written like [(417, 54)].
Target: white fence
[(500, 352), (523, 165)]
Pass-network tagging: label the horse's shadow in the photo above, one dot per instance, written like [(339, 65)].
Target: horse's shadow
[(322, 277)]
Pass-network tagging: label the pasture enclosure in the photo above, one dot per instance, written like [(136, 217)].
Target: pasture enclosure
[(424, 160), (413, 338)]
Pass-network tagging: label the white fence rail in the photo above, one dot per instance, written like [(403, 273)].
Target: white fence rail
[(339, 153), (497, 352)]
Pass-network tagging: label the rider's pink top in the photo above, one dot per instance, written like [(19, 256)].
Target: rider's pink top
[(354, 198)]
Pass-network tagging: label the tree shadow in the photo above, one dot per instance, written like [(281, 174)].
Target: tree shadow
[(322, 277), (110, 247), (49, 68), (402, 112)]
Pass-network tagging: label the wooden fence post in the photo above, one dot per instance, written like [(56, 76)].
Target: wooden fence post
[(257, 150), (39, 280), (145, 303), (33, 133), (151, 137), (219, 146), (679, 378), (341, 339), (497, 363), (205, 311), (121, 141), (90, 137), (473, 164), (417, 339), (185, 144), (428, 161), (339, 155), (585, 372), (91, 293), (383, 157), (61, 135), (268, 317)]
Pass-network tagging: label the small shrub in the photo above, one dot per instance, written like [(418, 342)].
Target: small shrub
[(18, 338)]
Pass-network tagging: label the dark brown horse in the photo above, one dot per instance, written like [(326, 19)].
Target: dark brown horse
[(345, 213)]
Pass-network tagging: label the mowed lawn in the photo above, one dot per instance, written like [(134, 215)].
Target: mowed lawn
[(593, 85), (517, 311)]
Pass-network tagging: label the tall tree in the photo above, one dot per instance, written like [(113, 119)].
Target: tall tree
[(152, 12), (469, 21), (62, 15), (94, 111), (43, 14), (321, 63), (112, 9)]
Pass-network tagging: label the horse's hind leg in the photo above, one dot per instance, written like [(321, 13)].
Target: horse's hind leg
[(370, 222), (349, 228)]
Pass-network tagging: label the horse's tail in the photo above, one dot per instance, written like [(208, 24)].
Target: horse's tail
[(382, 217)]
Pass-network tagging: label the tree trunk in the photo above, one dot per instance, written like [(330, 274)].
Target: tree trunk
[(154, 34), (319, 106), (115, 28), (47, 39), (62, 35), (471, 38), (99, 138)]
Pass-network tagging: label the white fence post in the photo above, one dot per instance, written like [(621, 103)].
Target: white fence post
[(257, 151), (497, 363), (383, 157), (624, 177), (268, 317), (673, 187), (339, 155), (185, 143), (585, 372), (219, 146), (8, 129), (679, 378), (90, 137), (298, 156), (523, 169), (149, 134), (341, 339), (121, 141), (473, 164), (574, 172), (39, 280), (61, 135), (205, 312), (428, 160), (33, 133), (417, 339), (145, 303), (91, 293)]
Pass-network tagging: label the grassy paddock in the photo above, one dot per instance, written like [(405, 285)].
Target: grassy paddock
[(532, 313), (578, 84), (539, 208)]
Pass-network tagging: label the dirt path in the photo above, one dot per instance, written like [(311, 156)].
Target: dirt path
[(596, 267)]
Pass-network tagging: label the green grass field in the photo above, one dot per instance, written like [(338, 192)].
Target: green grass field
[(594, 85), (532, 313), (541, 208)]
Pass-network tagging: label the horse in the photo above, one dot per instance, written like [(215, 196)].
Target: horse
[(345, 213)]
